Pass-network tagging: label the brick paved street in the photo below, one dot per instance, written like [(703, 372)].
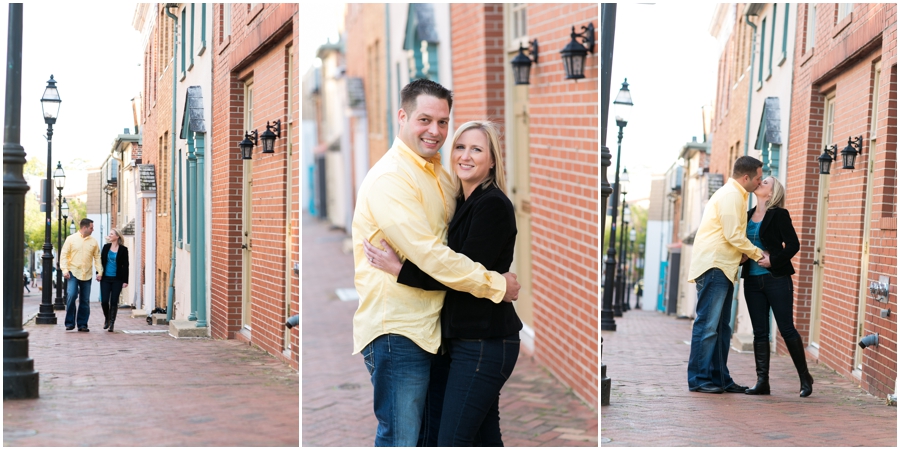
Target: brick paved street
[(535, 409), (124, 389), (650, 404)]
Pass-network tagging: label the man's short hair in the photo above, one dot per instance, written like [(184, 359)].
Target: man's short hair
[(85, 223), (745, 165), (415, 88)]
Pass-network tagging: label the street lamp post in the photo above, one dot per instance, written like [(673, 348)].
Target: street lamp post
[(640, 266), (621, 299), (60, 176), (623, 106), (607, 27), (629, 274), (50, 104)]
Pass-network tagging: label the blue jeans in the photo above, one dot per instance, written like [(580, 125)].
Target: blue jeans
[(711, 335), (763, 292), (464, 394), (399, 371), (73, 286)]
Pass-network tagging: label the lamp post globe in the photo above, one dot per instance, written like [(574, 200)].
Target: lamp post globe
[(623, 105)]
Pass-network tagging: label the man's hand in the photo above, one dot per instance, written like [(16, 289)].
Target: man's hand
[(66, 275), (512, 287), (764, 261), (99, 277), (744, 258)]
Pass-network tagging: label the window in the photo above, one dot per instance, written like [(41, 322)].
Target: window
[(180, 201), (844, 10), (202, 28), (784, 35), (810, 28), (828, 135), (226, 26), (248, 105), (772, 39), (183, 41), (519, 23), (762, 54), (192, 37), (876, 92)]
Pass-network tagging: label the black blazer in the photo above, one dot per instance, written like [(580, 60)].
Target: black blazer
[(121, 262), (779, 239), (483, 229)]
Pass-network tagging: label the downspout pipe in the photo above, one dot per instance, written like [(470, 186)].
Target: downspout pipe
[(752, 10), (171, 294)]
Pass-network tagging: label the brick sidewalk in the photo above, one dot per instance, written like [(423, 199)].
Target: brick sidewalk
[(650, 404), (535, 409), (120, 389)]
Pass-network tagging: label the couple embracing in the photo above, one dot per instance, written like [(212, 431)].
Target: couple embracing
[(763, 240), (432, 250)]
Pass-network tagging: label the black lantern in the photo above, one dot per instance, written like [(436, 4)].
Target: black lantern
[(521, 64), (848, 154), (826, 158), (251, 138), (72, 227), (623, 105), (50, 102), (624, 181), (65, 208), (59, 176), (268, 137), (574, 53), (626, 216)]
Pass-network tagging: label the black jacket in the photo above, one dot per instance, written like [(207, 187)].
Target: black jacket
[(779, 239), (121, 263), (483, 229)]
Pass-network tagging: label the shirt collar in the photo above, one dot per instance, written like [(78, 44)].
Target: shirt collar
[(422, 162), (738, 187)]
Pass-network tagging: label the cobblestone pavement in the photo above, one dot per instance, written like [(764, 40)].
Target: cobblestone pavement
[(650, 404), (535, 409), (149, 389)]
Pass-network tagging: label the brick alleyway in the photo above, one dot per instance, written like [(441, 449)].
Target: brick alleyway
[(535, 409), (650, 404), (127, 389)]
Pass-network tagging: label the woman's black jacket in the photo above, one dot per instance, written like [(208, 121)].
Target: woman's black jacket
[(483, 229), (121, 263), (779, 239)]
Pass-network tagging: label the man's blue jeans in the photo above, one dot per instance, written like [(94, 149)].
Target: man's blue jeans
[(711, 335), (73, 286), (399, 371)]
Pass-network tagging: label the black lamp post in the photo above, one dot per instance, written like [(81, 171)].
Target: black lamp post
[(630, 264), (574, 53), (50, 104), (521, 64), (640, 274), (60, 177), (607, 27), (621, 299), (623, 106)]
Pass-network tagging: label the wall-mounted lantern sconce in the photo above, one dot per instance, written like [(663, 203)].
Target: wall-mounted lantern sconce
[(521, 64), (268, 137), (853, 148), (574, 53), (251, 138), (848, 155)]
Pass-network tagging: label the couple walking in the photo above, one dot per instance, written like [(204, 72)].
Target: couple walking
[(80, 255), (763, 240), (421, 233)]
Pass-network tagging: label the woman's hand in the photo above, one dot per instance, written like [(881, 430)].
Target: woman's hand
[(124, 285), (386, 260)]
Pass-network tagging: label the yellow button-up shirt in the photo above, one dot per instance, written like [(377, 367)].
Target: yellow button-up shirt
[(78, 254), (722, 236), (408, 201)]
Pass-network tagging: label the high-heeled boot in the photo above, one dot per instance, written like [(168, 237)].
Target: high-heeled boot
[(112, 324), (798, 354), (761, 354)]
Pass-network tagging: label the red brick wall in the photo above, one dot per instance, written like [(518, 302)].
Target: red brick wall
[(258, 47), (366, 55), (842, 63), (728, 125), (478, 80), (564, 195)]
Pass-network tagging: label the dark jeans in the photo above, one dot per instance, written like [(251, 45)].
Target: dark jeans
[(109, 298), (83, 313), (763, 292), (462, 408), (711, 334)]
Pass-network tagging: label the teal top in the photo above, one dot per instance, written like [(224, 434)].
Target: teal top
[(110, 269), (753, 236)]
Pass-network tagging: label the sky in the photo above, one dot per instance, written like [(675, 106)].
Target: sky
[(316, 28), (94, 54), (669, 58)]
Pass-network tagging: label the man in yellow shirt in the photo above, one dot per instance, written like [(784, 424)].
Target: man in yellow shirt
[(407, 199), (80, 254), (720, 243)]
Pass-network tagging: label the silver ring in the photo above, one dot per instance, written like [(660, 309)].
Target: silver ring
[(371, 260)]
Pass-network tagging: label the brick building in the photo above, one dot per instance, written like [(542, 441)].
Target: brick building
[(255, 203), (845, 86)]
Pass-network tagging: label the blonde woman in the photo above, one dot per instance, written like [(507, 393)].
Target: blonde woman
[(481, 338), (769, 227), (114, 258)]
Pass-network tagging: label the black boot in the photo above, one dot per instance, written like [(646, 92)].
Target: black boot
[(798, 354), (106, 324), (761, 353), (111, 325)]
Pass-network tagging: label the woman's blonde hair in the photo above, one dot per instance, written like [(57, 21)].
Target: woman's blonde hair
[(118, 233), (777, 198), (496, 176)]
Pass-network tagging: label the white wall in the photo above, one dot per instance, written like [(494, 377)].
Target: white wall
[(658, 235)]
